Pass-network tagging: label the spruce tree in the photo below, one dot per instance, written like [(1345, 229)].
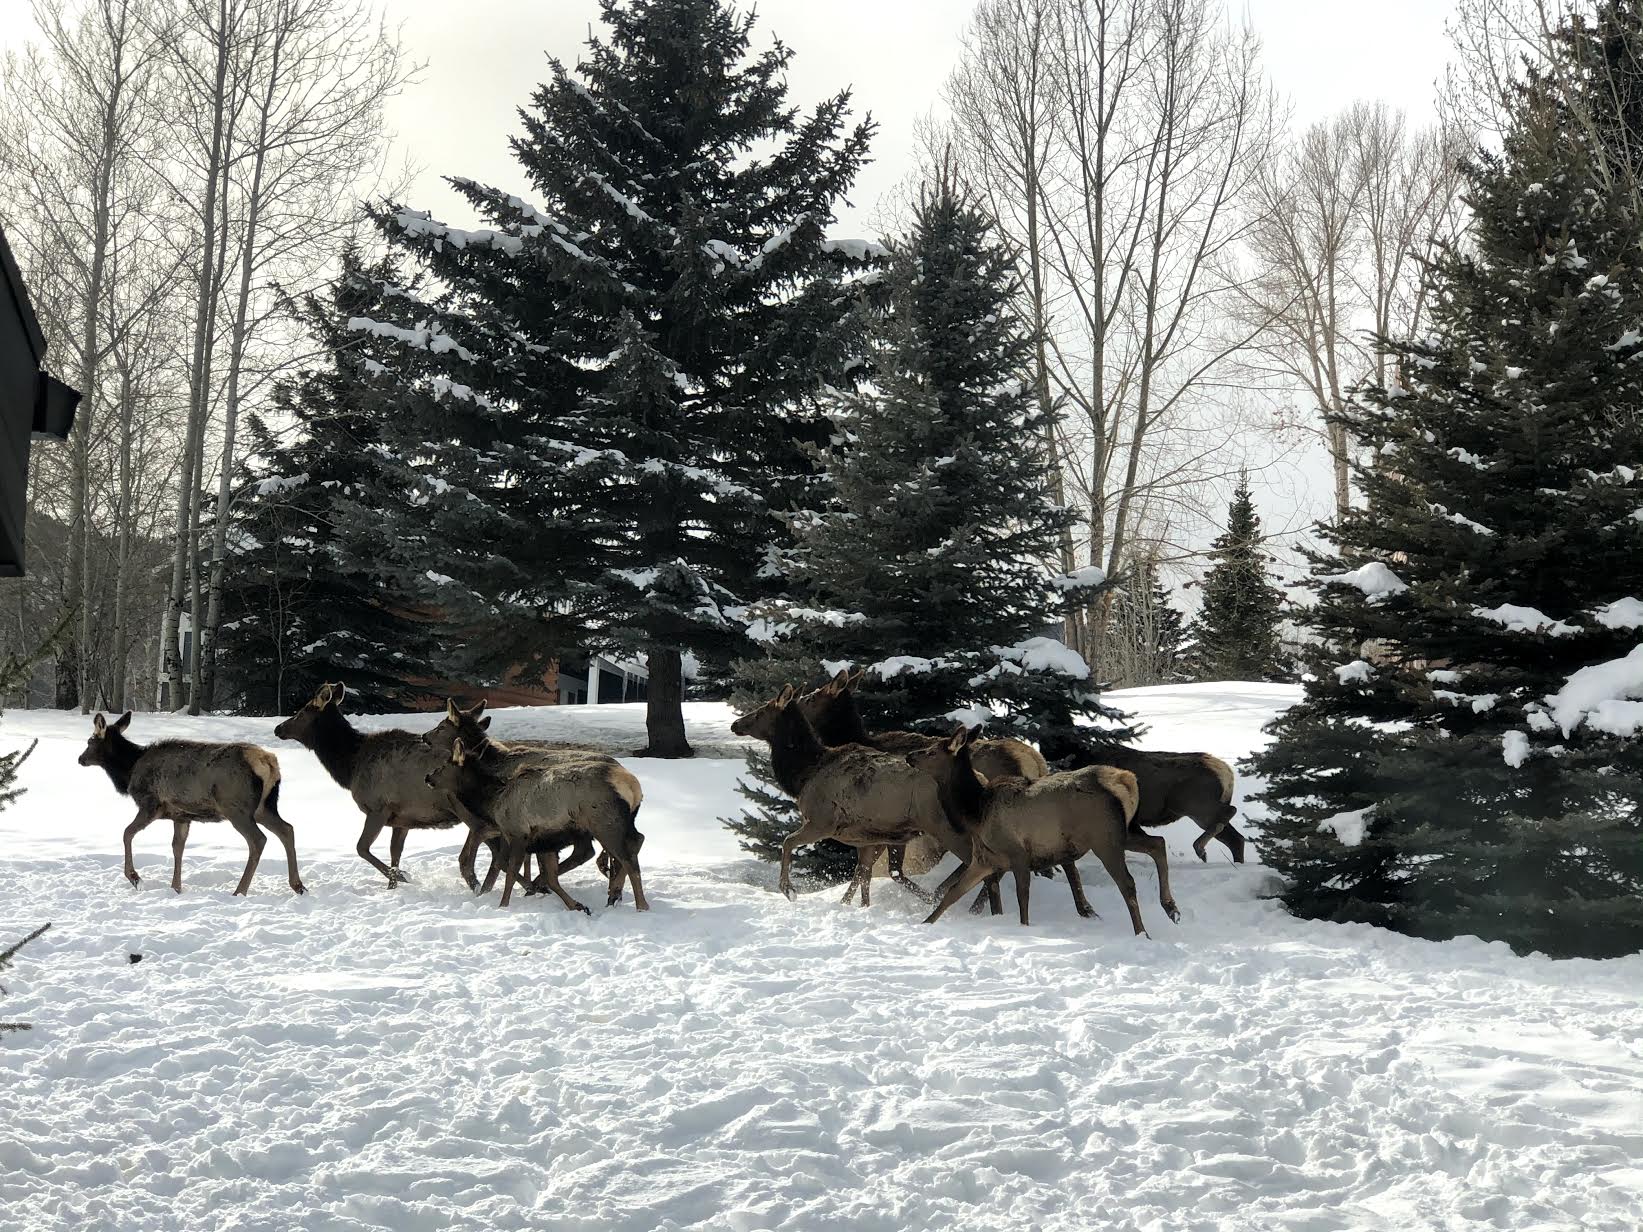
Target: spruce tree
[(1464, 760), (1147, 632), (302, 603), (1235, 634), (615, 388), (928, 566)]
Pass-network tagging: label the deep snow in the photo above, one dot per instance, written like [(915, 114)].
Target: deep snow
[(415, 1059)]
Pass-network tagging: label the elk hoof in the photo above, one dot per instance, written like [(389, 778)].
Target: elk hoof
[(1174, 913), (298, 888), (1089, 913), (790, 894), (582, 907), (134, 879), (176, 887)]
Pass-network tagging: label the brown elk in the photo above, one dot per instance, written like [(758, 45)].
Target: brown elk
[(384, 771), (853, 794), (1016, 826), (1173, 786), (471, 726), (189, 781), (537, 807), (832, 710)]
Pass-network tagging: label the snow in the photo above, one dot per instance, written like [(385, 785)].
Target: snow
[(280, 483), (1079, 579), (1348, 828), (856, 250), (1514, 748), (1524, 620), (364, 1058), (1624, 613), (1374, 579), (1356, 672), (1603, 696)]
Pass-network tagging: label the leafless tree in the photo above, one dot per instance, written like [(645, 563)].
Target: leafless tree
[(1118, 141), (1340, 221)]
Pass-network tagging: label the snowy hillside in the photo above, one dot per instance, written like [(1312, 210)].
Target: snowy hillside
[(362, 1058)]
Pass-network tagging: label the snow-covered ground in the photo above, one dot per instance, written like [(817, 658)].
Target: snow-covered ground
[(365, 1058)]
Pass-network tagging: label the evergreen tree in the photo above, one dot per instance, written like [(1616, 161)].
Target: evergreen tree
[(927, 565), (1235, 635), (1464, 760), (302, 604), (1148, 635), (615, 389)]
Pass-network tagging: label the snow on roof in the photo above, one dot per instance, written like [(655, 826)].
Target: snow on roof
[(1524, 620), (1374, 579), (1603, 696)]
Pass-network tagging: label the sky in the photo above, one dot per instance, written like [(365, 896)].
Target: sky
[(894, 55)]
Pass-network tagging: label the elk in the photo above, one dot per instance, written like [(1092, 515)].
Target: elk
[(385, 773), (189, 781), (832, 710), (1175, 785), (469, 727), (856, 795), (1016, 826), (541, 807)]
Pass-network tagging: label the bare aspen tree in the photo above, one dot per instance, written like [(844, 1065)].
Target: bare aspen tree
[(1118, 140), (75, 120), (1341, 218)]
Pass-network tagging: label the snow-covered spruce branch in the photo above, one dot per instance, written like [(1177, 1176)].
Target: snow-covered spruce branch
[(6, 956)]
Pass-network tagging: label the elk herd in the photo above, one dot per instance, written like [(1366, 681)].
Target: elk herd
[(994, 804)]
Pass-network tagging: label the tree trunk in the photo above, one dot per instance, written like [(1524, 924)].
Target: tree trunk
[(122, 553), (664, 706)]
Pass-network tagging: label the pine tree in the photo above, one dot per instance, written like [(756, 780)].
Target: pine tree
[(1464, 760), (616, 387), (1235, 635), (302, 603), (1147, 633), (928, 564)]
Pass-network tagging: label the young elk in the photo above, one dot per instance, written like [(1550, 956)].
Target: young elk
[(1173, 786), (383, 771), (469, 727), (1017, 826), (832, 710), (541, 807), (189, 781), (853, 794)]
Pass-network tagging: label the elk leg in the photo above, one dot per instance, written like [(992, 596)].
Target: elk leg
[(988, 896), (512, 860), (256, 840), (1023, 874), (144, 819), (973, 875), (179, 840), (495, 847), (373, 827), (580, 853), (281, 829), (627, 855), (396, 848), (1233, 841), (1154, 846), (466, 858), (809, 832), (1113, 862), (897, 855), (550, 871), (616, 875), (1075, 883), (862, 876)]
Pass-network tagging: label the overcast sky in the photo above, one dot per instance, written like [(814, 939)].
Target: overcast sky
[(484, 56)]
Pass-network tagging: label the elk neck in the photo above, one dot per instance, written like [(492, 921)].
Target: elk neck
[(796, 751)]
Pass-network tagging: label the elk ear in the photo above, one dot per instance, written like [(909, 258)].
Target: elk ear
[(973, 734), (123, 722), (322, 699), (342, 692), (958, 739), (477, 709), (450, 709), (458, 756), (786, 695), (99, 725), (840, 681), (485, 723), (854, 682)]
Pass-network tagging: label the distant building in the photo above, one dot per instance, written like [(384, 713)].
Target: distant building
[(33, 406)]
